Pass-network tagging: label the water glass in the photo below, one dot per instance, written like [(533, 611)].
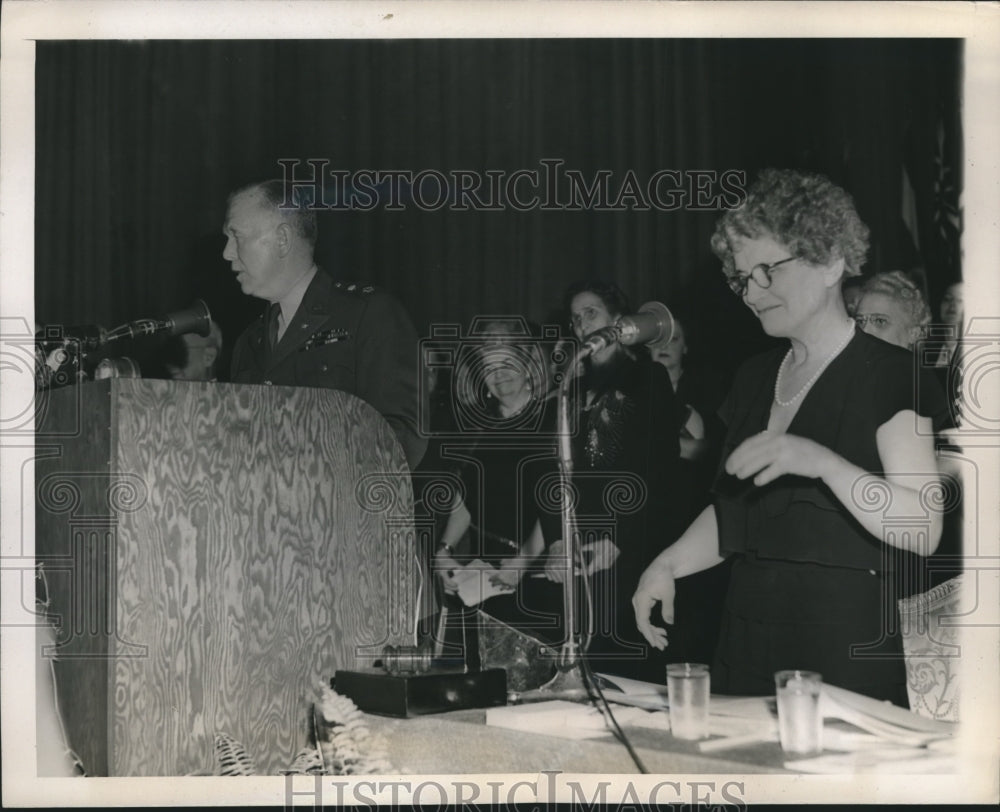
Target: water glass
[(687, 694), (800, 722)]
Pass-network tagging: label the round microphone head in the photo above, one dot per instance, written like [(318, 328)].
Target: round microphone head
[(666, 321), (195, 319)]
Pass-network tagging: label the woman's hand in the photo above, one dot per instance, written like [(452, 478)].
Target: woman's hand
[(444, 567), (767, 456), (506, 578), (555, 564), (656, 584), (603, 554)]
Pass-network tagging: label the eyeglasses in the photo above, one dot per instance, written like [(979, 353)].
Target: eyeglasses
[(877, 320), (761, 274)]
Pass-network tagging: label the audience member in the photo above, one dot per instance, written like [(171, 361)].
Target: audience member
[(952, 313), (507, 416), (892, 308), (625, 454), (191, 357)]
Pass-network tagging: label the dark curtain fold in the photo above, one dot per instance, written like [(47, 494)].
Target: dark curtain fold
[(139, 143)]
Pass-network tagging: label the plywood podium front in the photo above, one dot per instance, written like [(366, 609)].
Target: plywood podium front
[(211, 552)]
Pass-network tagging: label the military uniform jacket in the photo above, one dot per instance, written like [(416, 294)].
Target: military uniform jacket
[(345, 337)]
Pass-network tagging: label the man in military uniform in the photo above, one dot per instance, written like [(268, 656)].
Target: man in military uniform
[(317, 332)]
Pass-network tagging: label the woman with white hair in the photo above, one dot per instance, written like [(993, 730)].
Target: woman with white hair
[(891, 307)]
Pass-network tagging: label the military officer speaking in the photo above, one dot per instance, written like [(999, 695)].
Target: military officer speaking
[(317, 332)]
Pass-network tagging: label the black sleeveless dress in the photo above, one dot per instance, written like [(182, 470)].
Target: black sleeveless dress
[(809, 587)]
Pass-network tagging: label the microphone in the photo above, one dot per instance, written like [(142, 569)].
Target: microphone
[(653, 324), (194, 319)]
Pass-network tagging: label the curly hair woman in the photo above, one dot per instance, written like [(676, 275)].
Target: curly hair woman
[(821, 435)]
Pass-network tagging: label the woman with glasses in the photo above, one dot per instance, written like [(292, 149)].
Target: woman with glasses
[(892, 308), (822, 436)]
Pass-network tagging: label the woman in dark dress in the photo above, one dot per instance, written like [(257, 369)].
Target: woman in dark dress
[(625, 453), (824, 449), (699, 392), (893, 308)]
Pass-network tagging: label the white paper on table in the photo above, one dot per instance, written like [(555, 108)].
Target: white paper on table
[(625, 691), (474, 585), (901, 760), (555, 717), (882, 719)]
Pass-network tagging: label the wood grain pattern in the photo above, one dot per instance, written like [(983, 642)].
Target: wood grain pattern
[(72, 475), (253, 562)]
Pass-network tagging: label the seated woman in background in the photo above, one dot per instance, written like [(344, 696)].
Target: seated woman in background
[(507, 413), (952, 313), (891, 307), (812, 429), (948, 337)]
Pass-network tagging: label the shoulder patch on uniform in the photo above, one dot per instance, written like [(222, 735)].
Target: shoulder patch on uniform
[(354, 287)]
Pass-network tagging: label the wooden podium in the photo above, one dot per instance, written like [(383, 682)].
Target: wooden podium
[(212, 551)]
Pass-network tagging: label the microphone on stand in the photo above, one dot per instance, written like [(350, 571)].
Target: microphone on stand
[(194, 319), (68, 347), (653, 324)]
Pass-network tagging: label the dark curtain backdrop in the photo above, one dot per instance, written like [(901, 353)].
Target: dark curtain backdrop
[(139, 143)]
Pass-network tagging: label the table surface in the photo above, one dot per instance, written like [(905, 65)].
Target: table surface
[(461, 742)]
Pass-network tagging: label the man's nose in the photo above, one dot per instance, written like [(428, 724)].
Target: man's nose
[(227, 252)]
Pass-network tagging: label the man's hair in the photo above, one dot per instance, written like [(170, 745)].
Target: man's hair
[(288, 201), (807, 213)]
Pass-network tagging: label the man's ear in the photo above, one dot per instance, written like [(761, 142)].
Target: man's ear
[(209, 354), (283, 239)]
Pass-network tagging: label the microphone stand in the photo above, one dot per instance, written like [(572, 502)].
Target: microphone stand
[(568, 681)]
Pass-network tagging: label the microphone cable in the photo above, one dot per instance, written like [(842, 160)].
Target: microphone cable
[(592, 684)]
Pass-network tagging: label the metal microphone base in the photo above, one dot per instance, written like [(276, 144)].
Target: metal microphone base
[(566, 684)]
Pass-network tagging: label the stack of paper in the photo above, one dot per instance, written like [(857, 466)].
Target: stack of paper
[(883, 719)]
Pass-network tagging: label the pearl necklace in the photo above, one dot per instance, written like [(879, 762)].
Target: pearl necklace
[(815, 376)]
